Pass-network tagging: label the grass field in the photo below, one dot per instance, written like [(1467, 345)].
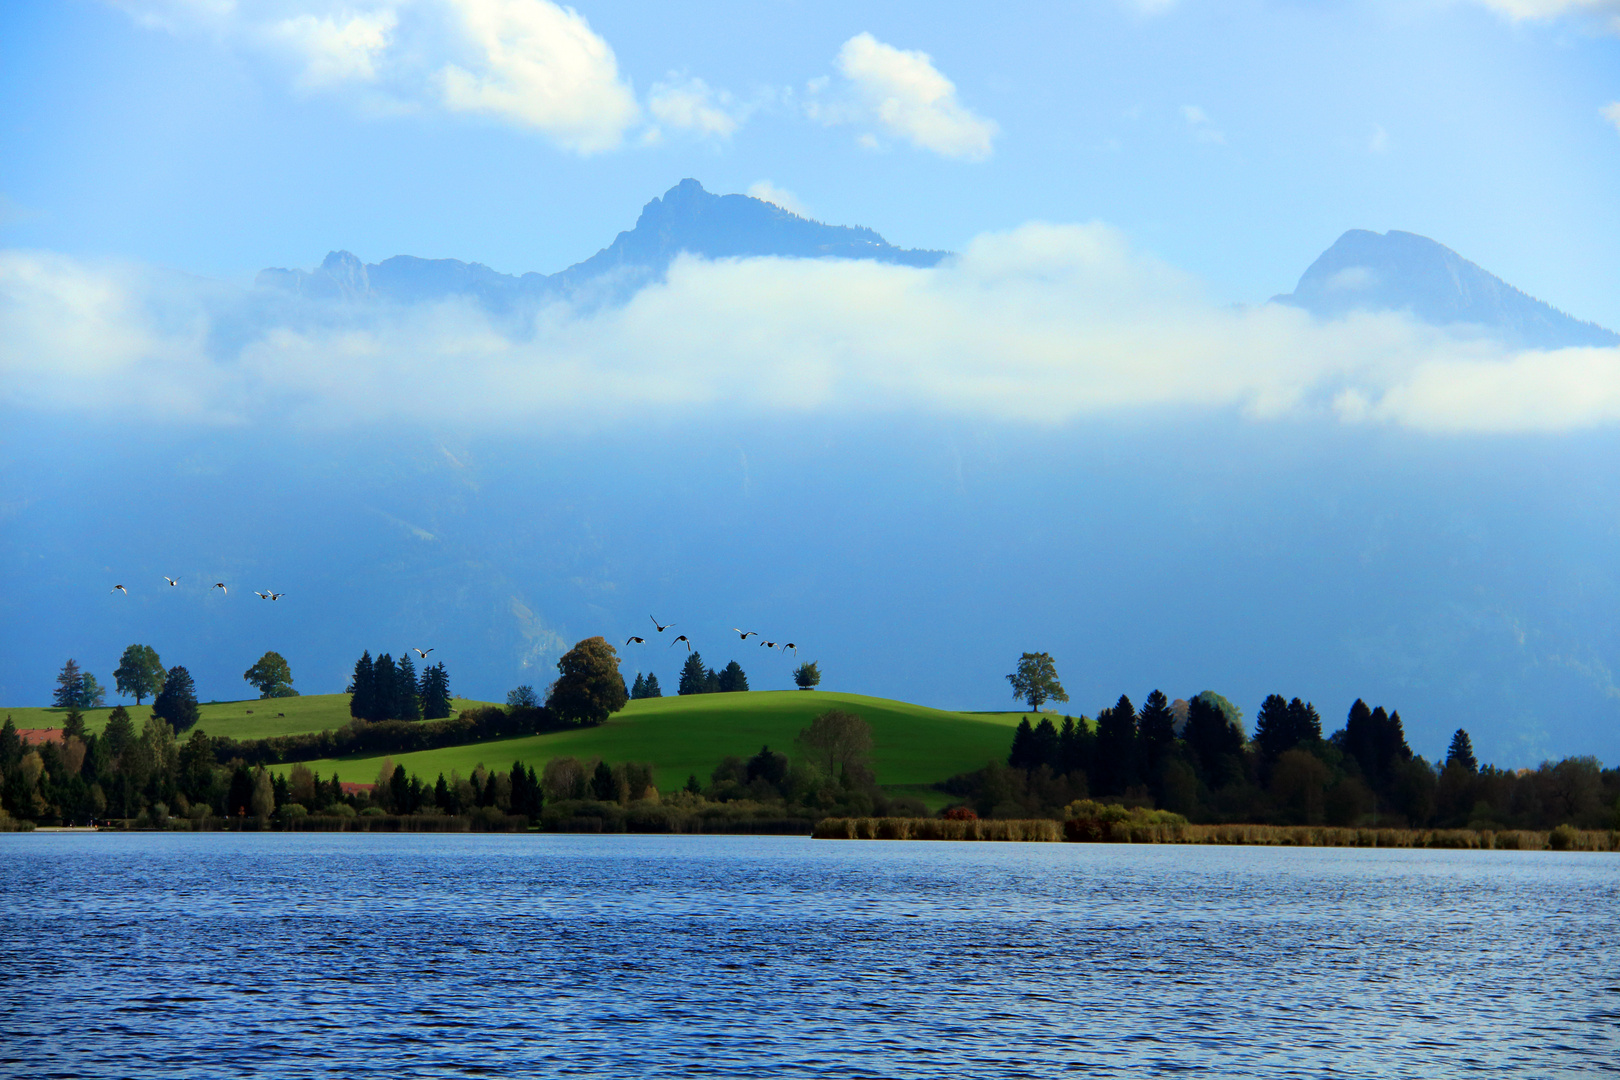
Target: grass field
[(913, 746), (249, 719)]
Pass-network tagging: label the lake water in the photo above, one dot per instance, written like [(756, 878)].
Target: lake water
[(180, 955)]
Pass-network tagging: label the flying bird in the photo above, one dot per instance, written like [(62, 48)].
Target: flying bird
[(261, 595), (662, 628), (684, 638), (220, 585), (637, 640), (277, 595), (119, 588), (170, 580), (746, 634), (767, 644), (420, 653), (788, 645)]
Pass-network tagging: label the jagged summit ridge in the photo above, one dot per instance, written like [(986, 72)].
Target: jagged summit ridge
[(1401, 271), (685, 219)]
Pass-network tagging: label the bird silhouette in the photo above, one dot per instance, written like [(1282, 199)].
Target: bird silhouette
[(220, 585), (119, 588), (746, 634), (420, 653), (261, 595), (170, 580), (767, 644), (637, 640), (788, 646), (662, 628), (277, 595), (684, 638)]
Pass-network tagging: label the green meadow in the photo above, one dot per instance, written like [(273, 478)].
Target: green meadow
[(253, 718), (913, 746)]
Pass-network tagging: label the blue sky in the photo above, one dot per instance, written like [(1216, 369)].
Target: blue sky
[(1092, 403), (1235, 140)]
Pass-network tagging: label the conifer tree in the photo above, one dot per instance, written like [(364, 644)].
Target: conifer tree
[(119, 732), (177, 701), (1022, 754), (363, 689), (1155, 736), (435, 692), (69, 686), (1305, 723), (692, 675), (638, 689), (1115, 763), (733, 680), (653, 689), (1273, 728), (406, 706), (1044, 748), (1461, 752), (385, 684)]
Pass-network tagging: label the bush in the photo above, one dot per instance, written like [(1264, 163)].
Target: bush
[(1563, 838), (959, 813), (292, 810)]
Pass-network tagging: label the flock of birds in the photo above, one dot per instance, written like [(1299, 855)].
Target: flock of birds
[(786, 646), (220, 585)]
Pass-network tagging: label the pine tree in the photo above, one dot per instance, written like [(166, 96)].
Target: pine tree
[(692, 675), (1155, 736), (638, 689), (692, 784), (1022, 754), (406, 706), (1212, 737), (385, 684), (177, 701), (602, 782), (732, 679), (1305, 723), (1044, 747), (653, 689), (362, 691), (1115, 769), (1461, 752), (435, 692), (69, 686), (1273, 728), (119, 732)]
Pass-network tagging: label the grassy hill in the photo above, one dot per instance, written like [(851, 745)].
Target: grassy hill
[(912, 745), (249, 719)]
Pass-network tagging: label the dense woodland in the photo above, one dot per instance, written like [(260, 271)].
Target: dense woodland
[(1195, 759)]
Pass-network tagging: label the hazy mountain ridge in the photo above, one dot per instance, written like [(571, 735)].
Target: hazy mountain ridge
[(685, 219), (1401, 271)]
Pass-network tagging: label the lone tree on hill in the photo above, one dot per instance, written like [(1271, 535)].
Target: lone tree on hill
[(177, 701), (589, 687), (271, 675), (139, 673), (1036, 680), (807, 676)]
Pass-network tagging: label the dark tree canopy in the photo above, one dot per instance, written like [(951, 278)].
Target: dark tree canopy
[(384, 688), (406, 705), (837, 742), (271, 676), (767, 765), (522, 697), (732, 680), (1155, 736), (1036, 680), (653, 689), (1376, 741), (807, 676), (589, 687), (638, 689), (694, 676), (177, 701), (77, 689), (434, 690), (1115, 768), (139, 673), (1213, 737), (1461, 752), (363, 689)]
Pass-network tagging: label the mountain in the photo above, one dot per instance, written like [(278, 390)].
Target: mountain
[(687, 219), (1401, 271)]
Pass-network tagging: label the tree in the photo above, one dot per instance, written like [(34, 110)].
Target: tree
[(1377, 742), (807, 676), (692, 676), (1155, 736), (91, 695), (264, 792), (69, 686), (120, 730), (139, 673), (638, 689), (767, 765), (1212, 736), (406, 705), (589, 687), (523, 697), (653, 689), (271, 675), (1036, 680), (1461, 752), (1273, 728), (384, 685), (177, 701), (435, 692), (1022, 755), (602, 782), (732, 679), (1115, 769), (363, 690), (838, 742)]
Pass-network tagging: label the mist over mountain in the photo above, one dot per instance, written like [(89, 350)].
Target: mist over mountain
[(1401, 271), (686, 219)]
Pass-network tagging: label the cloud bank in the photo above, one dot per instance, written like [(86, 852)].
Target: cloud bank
[(1044, 324), (904, 95)]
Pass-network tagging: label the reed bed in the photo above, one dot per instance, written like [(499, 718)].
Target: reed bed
[(1039, 830), (1563, 838)]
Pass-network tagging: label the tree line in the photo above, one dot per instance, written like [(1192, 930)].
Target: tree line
[(386, 689), (1195, 758)]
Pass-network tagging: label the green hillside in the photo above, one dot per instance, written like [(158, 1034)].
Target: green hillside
[(913, 744), (250, 719)]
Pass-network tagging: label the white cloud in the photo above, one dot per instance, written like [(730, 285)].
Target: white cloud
[(1611, 113), (337, 49), (902, 93), (1199, 122), (1043, 324), (690, 104), (769, 192), (1606, 10), (541, 66)]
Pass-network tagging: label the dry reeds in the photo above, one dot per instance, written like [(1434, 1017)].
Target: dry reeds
[(889, 828), (1564, 838)]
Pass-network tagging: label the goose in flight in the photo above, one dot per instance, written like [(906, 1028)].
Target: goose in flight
[(170, 580), (788, 646), (420, 653), (220, 585), (277, 595), (119, 588), (261, 595), (684, 638), (746, 634), (767, 644), (662, 628), (637, 640)]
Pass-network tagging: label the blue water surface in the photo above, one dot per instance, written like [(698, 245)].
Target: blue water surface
[(218, 954)]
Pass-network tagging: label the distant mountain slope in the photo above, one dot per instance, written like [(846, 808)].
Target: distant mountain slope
[(687, 218), (1399, 271)]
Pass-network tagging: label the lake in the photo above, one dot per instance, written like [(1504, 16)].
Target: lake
[(275, 954)]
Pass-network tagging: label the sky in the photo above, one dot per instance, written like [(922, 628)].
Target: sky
[(1091, 394)]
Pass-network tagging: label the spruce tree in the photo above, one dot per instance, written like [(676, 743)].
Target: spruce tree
[(653, 689), (1273, 728), (1022, 754), (119, 732), (435, 692), (385, 685), (1461, 752), (732, 679), (1044, 747), (362, 691), (1115, 769), (692, 675), (1212, 737), (638, 689), (405, 703), (1155, 736), (1305, 723), (69, 686), (177, 701)]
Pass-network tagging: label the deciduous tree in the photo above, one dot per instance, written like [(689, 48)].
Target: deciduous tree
[(837, 742), (139, 673), (271, 676), (589, 687), (1036, 680), (807, 676)]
